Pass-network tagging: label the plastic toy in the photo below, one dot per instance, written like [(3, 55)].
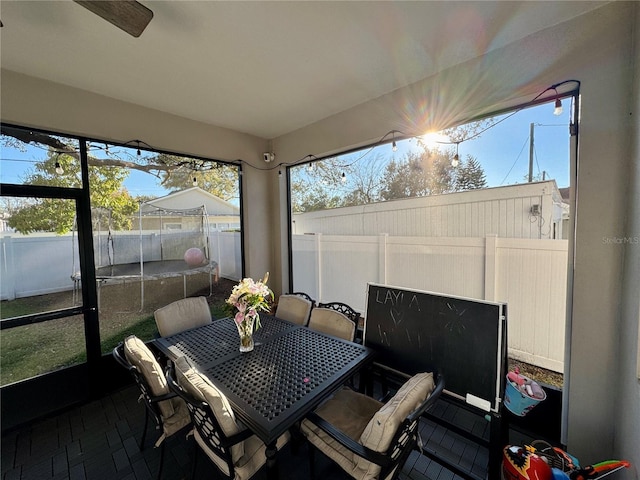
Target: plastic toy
[(541, 461)]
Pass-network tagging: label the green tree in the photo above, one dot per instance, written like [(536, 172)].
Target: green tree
[(470, 175), (405, 178), (57, 215), (218, 179), (318, 186), (419, 174)]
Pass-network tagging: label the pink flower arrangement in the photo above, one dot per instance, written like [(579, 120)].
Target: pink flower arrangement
[(248, 298)]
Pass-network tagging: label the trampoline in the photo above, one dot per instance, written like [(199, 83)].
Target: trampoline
[(155, 252)]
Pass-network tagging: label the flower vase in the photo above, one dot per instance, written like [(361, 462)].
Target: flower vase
[(245, 330)]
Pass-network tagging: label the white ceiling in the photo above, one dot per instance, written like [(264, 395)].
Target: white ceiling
[(263, 68)]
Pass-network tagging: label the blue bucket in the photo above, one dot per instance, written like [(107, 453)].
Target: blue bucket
[(518, 402)]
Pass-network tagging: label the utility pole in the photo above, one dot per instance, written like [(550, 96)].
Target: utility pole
[(530, 152)]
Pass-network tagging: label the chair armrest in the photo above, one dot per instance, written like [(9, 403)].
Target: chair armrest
[(160, 398), (236, 438), (346, 441)]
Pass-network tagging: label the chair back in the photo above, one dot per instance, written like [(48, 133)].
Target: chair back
[(401, 416), (215, 427), (332, 322), (348, 312), (343, 308), (307, 296), (182, 315), (294, 308), (148, 375)]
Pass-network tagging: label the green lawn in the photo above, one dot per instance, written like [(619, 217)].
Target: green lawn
[(44, 347)]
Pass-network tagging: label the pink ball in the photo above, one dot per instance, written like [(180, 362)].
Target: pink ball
[(194, 257)]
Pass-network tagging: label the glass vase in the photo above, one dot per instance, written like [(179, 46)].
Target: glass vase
[(245, 330)]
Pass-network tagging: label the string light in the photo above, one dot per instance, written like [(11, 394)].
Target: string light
[(558, 107), (195, 182), (456, 158), (59, 169), (422, 140)]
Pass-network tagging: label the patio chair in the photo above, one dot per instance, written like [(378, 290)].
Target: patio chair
[(168, 410), (294, 308), (369, 439), (332, 322), (307, 296), (233, 448), (347, 311), (182, 315)]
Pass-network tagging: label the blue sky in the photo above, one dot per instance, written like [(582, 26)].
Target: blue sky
[(503, 149), (503, 152)]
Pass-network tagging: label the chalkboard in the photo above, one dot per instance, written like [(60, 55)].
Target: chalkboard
[(463, 339)]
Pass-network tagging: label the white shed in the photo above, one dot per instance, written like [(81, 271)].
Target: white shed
[(531, 210)]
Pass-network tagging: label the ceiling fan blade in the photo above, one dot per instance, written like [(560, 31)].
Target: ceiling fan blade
[(128, 15)]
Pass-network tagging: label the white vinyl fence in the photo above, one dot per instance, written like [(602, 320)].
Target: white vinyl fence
[(529, 275), (44, 263)]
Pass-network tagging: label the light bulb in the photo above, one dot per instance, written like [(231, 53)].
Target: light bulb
[(394, 146), (280, 173), (344, 178), (59, 169), (195, 182), (455, 161), (558, 108)]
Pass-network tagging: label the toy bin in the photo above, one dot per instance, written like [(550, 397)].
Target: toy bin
[(517, 401)]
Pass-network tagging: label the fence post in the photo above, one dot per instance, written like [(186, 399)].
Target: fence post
[(490, 267), (382, 258), (8, 272), (318, 239)]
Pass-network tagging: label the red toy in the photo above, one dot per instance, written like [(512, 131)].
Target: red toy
[(534, 462)]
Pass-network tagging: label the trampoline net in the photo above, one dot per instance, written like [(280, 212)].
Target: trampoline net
[(157, 234)]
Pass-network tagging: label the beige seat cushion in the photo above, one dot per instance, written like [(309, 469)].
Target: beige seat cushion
[(247, 456), (380, 430), (332, 322), (349, 412), (139, 355), (182, 315), (294, 308), (174, 412), (201, 388), (252, 460), (366, 421)]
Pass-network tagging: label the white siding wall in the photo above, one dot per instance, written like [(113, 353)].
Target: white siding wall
[(503, 211)]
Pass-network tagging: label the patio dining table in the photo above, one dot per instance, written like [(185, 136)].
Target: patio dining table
[(291, 370)]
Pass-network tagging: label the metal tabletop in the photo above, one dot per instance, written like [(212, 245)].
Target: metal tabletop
[(290, 371)]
